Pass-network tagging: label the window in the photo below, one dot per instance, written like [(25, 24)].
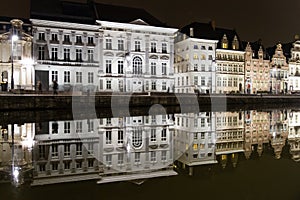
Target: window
[(67, 76), (67, 165), (120, 67), (195, 80), (121, 45), (164, 135), (78, 127), (153, 68), (78, 77), (66, 54), (54, 75), (55, 166), (78, 55), (90, 77), (164, 156), (164, 86), (137, 46), (67, 126), (91, 148), (67, 150), (90, 124), (41, 53), (230, 82), (219, 82), (137, 65), (202, 81), (78, 39), (202, 122), (67, 38), (137, 158), (108, 159), (79, 149), (108, 84), (195, 67), (90, 40), (153, 85), (224, 82), (41, 36), (203, 67), (54, 53), (164, 68), (108, 66), (153, 135), (108, 44), (90, 55), (108, 137), (153, 47), (54, 128), (137, 138), (164, 47), (120, 159), (54, 150), (120, 137), (235, 82), (202, 136), (196, 134), (153, 156), (210, 57)]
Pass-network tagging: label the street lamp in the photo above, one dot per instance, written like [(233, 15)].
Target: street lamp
[(127, 58), (13, 39)]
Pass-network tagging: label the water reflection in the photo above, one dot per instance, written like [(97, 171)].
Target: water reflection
[(141, 147)]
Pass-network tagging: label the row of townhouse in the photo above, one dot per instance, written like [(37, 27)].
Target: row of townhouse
[(90, 49)]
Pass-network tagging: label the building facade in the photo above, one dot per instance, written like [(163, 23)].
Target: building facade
[(195, 69), (257, 70), (136, 57), (294, 67), (17, 69), (279, 70)]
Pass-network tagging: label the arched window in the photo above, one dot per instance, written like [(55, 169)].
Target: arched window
[(137, 138), (137, 65)]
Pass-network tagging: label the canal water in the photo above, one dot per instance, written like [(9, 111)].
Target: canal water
[(242, 154)]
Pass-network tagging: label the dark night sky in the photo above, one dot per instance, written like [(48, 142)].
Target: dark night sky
[(270, 20)]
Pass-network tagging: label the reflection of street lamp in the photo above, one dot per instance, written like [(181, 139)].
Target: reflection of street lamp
[(13, 39)]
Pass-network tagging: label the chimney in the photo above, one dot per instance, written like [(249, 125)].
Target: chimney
[(191, 32), (213, 24)]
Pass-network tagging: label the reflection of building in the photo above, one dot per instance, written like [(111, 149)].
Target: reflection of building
[(257, 69), (195, 69), (278, 130), (135, 148), (16, 142), (195, 138), (66, 151), (257, 131), (294, 134), (16, 42), (229, 136)]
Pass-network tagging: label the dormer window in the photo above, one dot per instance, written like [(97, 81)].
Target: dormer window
[(225, 42), (235, 43)]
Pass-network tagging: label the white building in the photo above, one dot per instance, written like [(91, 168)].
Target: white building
[(67, 53), (294, 134), (294, 67), (16, 42), (195, 140), (195, 69), (99, 47), (135, 148)]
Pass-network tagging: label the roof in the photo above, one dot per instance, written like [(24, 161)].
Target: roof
[(124, 14), (255, 46), (207, 31), (286, 50), (88, 12), (64, 11)]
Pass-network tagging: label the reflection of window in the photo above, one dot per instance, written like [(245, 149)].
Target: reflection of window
[(54, 53), (67, 76), (120, 137), (153, 47), (67, 126), (78, 77), (90, 77), (164, 47), (137, 45), (41, 36), (78, 127), (54, 128), (108, 137), (54, 75), (120, 45), (41, 53), (108, 44), (54, 150), (164, 135), (137, 138), (108, 84), (153, 135), (153, 156), (108, 66), (66, 54)]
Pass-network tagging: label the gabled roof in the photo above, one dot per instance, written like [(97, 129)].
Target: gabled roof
[(286, 50), (255, 46), (207, 31)]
